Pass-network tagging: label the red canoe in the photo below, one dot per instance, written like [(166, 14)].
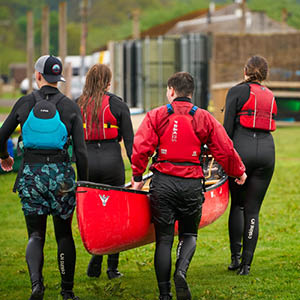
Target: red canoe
[(113, 219)]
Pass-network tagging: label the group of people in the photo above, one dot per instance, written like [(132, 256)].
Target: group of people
[(97, 122)]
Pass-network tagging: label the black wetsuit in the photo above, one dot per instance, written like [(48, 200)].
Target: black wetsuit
[(105, 158), (36, 223), (256, 148)]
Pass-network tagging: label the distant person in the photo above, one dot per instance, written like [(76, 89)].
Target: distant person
[(46, 179), (177, 131), (249, 119), (106, 121)]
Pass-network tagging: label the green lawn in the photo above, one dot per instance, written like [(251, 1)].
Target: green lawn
[(275, 273), (5, 110), (10, 95)]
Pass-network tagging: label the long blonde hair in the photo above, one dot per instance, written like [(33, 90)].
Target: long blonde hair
[(97, 81)]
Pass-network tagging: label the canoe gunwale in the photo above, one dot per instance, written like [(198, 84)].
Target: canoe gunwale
[(107, 187)]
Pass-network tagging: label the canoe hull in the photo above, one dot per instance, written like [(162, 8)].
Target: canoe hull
[(114, 219)]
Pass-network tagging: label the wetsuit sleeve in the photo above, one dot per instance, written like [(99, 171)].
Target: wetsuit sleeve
[(126, 130), (8, 127), (121, 112), (235, 99), (221, 147), (230, 112), (145, 143), (79, 146)]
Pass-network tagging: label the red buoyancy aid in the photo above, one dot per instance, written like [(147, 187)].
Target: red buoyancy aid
[(106, 129), (179, 143), (259, 110)]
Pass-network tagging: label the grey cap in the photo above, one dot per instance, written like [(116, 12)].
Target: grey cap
[(50, 67)]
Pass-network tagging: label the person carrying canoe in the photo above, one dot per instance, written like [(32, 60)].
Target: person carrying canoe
[(249, 119), (176, 132), (46, 179), (106, 122)]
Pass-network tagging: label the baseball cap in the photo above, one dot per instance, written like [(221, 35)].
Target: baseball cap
[(50, 67)]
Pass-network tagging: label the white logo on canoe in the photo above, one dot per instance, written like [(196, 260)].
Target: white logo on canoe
[(104, 199)]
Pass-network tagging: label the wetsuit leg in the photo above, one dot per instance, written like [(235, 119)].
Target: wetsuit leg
[(257, 152), (66, 253), (112, 261), (236, 218), (257, 186), (164, 234), (188, 230), (36, 228), (188, 227), (95, 265)]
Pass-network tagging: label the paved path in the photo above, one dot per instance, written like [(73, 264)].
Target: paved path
[(7, 102)]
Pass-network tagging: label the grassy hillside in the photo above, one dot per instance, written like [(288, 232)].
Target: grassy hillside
[(108, 20)]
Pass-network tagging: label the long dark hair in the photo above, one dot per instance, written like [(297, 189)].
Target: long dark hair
[(97, 81), (256, 69)]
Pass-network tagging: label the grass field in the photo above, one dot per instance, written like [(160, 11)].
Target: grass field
[(275, 272), (5, 110)]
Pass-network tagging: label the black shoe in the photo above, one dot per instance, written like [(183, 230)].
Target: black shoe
[(182, 289), (165, 297), (235, 262), (113, 273), (244, 270), (37, 292), (68, 295), (94, 267)]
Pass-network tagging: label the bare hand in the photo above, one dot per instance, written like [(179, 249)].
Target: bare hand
[(241, 180), (137, 185), (7, 164)]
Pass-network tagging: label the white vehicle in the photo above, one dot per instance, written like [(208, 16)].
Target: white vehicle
[(25, 84), (76, 62), (77, 85)]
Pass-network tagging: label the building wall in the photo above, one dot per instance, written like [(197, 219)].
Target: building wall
[(231, 51)]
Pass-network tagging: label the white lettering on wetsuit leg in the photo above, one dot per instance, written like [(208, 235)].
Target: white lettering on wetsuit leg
[(251, 229), (179, 249), (62, 263)]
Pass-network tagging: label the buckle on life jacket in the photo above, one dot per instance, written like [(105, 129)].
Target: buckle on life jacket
[(109, 125), (248, 112), (193, 110), (170, 109)]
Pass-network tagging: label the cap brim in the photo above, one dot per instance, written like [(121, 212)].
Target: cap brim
[(53, 78)]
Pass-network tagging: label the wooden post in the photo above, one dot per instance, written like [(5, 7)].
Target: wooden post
[(110, 47), (243, 18), (136, 24), (1, 87), (284, 18), (30, 49), (63, 34), (45, 30), (68, 77), (84, 33)]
